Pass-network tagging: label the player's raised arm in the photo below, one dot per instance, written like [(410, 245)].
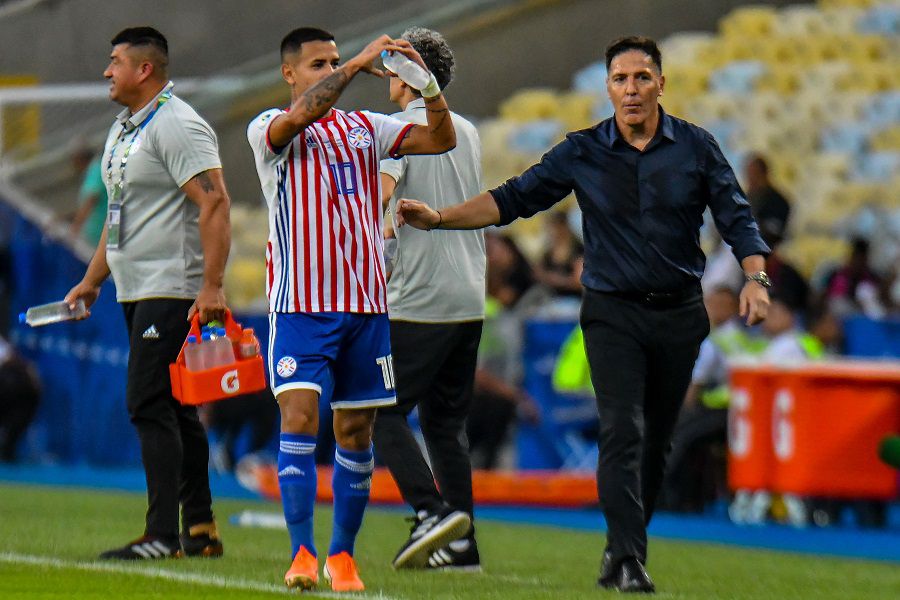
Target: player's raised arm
[(315, 75), (438, 136)]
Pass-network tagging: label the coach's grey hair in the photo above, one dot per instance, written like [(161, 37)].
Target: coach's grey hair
[(435, 52)]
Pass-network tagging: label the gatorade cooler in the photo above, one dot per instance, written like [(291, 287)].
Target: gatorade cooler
[(827, 421), (244, 376), (751, 459)]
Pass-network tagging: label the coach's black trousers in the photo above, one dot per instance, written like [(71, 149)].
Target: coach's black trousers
[(641, 356), (174, 447), (434, 368)]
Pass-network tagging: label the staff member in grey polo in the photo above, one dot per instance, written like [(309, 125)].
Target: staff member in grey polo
[(166, 243), (436, 307)]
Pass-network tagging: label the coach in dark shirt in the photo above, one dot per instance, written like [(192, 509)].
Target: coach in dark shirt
[(643, 179)]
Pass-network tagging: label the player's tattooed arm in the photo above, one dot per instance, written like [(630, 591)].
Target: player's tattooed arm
[(437, 136), (311, 105), (318, 100), (442, 114), (315, 102)]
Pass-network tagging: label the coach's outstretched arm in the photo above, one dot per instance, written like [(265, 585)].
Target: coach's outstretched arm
[(315, 102), (475, 213)]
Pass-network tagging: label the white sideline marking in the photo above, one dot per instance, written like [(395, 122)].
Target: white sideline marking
[(157, 573)]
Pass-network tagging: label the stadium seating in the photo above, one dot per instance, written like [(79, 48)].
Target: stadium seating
[(816, 88)]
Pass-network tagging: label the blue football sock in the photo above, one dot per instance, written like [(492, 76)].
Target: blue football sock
[(297, 480), (351, 482)]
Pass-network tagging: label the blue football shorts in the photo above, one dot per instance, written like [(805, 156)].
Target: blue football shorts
[(345, 357)]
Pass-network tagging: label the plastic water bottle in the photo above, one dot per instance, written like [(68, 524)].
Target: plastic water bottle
[(207, 352), (224, 350), (249, 345), (408, 71), (193, 354), (52, 313)]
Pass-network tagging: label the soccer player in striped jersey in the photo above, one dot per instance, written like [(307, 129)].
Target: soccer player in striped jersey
[(329, 331)]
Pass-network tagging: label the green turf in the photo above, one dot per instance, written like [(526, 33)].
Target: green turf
[(69, 527)]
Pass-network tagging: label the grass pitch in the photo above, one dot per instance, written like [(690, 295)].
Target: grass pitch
[(49, 538)]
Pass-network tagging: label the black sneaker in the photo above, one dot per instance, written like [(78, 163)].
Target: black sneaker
[(429, 532), (146, 547), (202, 540), (460, 555)]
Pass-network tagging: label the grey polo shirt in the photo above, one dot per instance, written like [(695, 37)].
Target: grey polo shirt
[(438, 276), (159, 254)]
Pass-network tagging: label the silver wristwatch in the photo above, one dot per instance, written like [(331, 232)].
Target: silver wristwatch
[(761, 278)]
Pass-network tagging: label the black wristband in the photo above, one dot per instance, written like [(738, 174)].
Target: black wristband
[(440, 220)]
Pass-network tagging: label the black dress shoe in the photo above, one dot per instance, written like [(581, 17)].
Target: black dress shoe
[(607, 577), (631, 577)]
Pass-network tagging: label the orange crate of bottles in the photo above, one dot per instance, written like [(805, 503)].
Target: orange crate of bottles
[(244, 376)]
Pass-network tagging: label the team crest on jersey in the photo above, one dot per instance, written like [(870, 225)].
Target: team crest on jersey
[(286, 366), (359, 137)]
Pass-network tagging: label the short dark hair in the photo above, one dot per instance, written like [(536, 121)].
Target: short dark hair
[(435, 52), (142, 36), (146, 37), (296, 38), (634, 42), (758, 161)]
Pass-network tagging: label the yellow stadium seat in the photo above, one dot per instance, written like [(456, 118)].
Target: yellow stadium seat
[(829, 166), (806, 252), (886, 140), (800, 20), (530, 105), (847, 3), (748, 21), (712, 107), (687, 79), (870, 77), (245, 282), (823, 77), (576, 110), (684, 48), (782, 79), (842, 19)]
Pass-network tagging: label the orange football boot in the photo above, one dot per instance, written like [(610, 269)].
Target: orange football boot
[(340, 570), (304, 571)]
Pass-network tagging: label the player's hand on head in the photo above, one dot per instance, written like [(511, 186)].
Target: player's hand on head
[(406, 49), (416, 213), (366, 58)]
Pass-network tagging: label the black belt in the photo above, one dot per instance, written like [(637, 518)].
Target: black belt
[(659, 299)]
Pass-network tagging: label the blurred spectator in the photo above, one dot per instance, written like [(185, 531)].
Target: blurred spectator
[(499, 395), (561, 262), (227, 421), (696, 473), (828, 330), (787, 282), (90, 217), (20, 393), (787, 343), (770, 208), (855, 287)]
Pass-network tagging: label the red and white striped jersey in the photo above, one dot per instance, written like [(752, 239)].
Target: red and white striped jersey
[(325, 249)]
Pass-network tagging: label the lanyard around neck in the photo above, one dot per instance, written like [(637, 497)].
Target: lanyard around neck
[(120, 182)]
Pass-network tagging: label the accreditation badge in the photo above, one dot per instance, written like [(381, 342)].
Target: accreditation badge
[(113, 225)]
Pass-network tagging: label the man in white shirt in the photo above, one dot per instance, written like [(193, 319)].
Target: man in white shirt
[(436, 298)]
